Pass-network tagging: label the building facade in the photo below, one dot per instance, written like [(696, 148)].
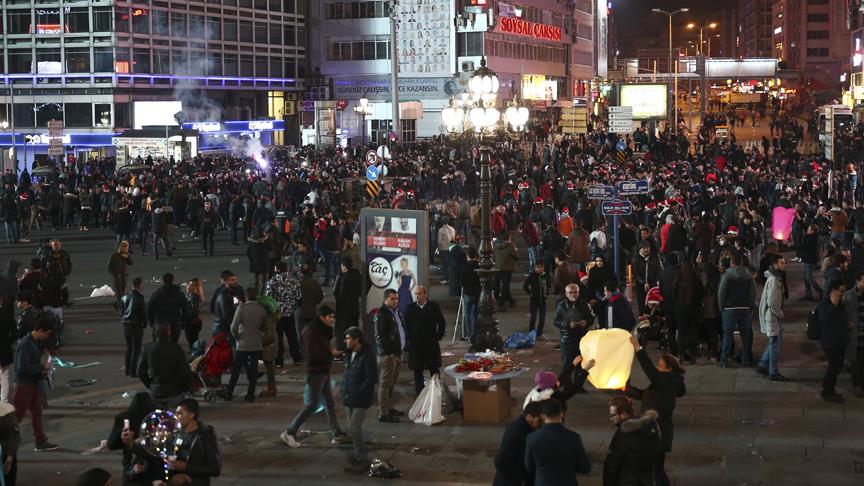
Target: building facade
[(542, 50), (95, 65), (754, 28)]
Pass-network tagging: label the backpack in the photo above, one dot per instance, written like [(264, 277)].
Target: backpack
[(814, 330)]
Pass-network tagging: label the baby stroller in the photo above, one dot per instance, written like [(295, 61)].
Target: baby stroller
[(210, 363)]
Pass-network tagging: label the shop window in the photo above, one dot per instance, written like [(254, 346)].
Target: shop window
[(380, 129), (46, 112), (409, 131), (78, 115)]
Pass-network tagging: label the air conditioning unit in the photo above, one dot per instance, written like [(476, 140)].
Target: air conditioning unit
[(291, 96), (467, 66)]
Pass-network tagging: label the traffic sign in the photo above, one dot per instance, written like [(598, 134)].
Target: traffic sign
[(603, 193), (616, 207), (632, 187), (372, 173), (372, 189), (55, 128), (371, 158), (621, 109), (341, 104), (621, 145), (54, 150)]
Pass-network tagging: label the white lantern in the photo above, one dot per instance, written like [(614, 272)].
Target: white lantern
[(613, 354)]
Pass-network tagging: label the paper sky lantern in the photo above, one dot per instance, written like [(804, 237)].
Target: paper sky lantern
[(613, 354), (781, 224)]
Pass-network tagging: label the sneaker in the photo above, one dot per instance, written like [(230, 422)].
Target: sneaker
[(388, 419), (444, 282), (778, 377), (833, 397), (45, 446), (341, 438), (289, 440), (338, 359), (762, 371)]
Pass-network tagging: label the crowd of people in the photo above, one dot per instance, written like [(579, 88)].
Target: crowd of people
[(698, 253)]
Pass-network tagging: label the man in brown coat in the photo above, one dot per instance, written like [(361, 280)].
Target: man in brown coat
[(578, 243)]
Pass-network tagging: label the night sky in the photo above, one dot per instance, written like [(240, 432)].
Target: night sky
[(638, 26)]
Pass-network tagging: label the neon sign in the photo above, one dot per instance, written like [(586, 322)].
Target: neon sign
[(48, 29), (261, 125), (531, 29), (206, 126)]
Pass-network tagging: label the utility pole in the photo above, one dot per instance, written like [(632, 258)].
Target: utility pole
[(394, 69)]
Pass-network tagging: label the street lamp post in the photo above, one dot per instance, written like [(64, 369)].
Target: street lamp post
[(364, 110), (670, 15), (476, 112), (712, 25)]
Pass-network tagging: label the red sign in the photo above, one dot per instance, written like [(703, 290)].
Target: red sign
[(341, 104), (379, 242), (524, 27)]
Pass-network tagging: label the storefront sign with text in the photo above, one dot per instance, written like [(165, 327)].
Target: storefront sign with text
[(524, 27)]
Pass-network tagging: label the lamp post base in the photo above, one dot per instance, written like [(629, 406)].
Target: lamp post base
[(486, 335)]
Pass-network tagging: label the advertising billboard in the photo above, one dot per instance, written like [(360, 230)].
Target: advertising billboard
[(425, 37), (649, 101), (155, 113), (395, 249), (537, 87)]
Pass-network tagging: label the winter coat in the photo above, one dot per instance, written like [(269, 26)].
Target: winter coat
[(833, 323), (505, 256), (567, 312), (311, 295), (737, 289), (347, 292), (117, 264), (247, 327), (661, 395), (509, 461), (316, 348), (578, 243), (359, 378), (537, 286), (203, 462), (163, 369), (770, 305), (387, 332), (259, 255), (645, 270), (133, 310), (850, 305), (633, 451), (168, 304), (622, 314), (425, 327), (554, 455)]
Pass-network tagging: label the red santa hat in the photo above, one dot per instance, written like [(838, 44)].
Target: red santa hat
[(570, 185), (654, 296), (583, 278), (538, 200), (651, 206), (566, 210), (105, 188), (24, 196), (522, 186), (732, 231)]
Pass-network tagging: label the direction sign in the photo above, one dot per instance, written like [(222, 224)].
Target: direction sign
[(621, 109), (632, 187), (604, 193), (55, 128), (371, 158), (53, 151), (616, 207), (621, 145), (372, 173)]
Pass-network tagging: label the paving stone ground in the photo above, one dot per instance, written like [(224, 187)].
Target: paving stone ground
[(732, 428)]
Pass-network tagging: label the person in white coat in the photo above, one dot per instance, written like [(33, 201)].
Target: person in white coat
[(770, 318)]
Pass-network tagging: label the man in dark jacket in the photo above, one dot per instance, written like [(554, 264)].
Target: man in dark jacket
[(425, 326), (391, 340), (573, 317), (159, 227), (536, 285), (736, 297), (347, 293), (470, 293), (358, 392), (8, 328), (168, 304), (510, 460), (60, 257), (224, 302), (808, 251), (209, 222), (311, 295), (646, 273), (133, 313), (163, 368), (319, 358), (258, 252), (834, 327), (554, 454), (634, 448), (615, 311), (29, 372)]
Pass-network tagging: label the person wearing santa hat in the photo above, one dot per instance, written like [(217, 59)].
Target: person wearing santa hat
[(646, 273)]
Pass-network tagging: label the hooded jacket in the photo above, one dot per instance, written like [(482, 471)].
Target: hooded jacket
[(633, 451), (770, 305), (737, 289)]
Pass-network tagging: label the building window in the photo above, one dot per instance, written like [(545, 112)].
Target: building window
[(409, 131), (77, 60), (275, 34), (380, 129), (246, 32), (24, 115), (817, 17), (102, 19), (471, 44), (78, 115), (230, 30), (78, 20), (179, 62), (377, 48), (817, 52), (141, 61), (817, 34), (247, 67), (355, 10), (121, 20), (214, 28), (103, 114), (18, 21), (196, 27), (20, 62), (178, 24), (290, 35), (161, 61), (260, 33), (290, 68), (103, 60), (160, 22), (47, 112), (140, 21), (275, 67), (230, 64)]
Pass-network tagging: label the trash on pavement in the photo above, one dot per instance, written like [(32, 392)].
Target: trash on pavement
[(103, 444), (103, 291), (78, 383), (71, 364)]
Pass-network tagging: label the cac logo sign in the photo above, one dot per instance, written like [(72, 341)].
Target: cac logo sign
[(380, 272)]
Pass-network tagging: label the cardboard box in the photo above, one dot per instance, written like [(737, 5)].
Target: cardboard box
[(486, 402)]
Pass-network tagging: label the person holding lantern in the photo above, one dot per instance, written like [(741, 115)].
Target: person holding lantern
[(667, 385)]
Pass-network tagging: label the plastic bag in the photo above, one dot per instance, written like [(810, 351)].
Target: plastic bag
[(521, 340), (103, 291), (383, 469), (427, 408)]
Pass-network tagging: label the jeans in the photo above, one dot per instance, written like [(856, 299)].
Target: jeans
[(26, 397), (809, 282), (356, 416), (502, 281), (388, 376), (739, 318), (11, 232), (771, 355), (207, 237), (285, 328), (538, 314), (132, 334), (568, 353), (248, 360), (835, 365), (445, 263), (533, 253), (331, 265), (317, 389), (469, 315)]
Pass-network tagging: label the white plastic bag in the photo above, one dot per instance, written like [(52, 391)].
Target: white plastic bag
[(103, 291), (427, 408)]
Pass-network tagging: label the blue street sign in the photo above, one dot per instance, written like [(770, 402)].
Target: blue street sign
[(604, 193), (372, 173), (616, 207), (632, 187), (621, 146)]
